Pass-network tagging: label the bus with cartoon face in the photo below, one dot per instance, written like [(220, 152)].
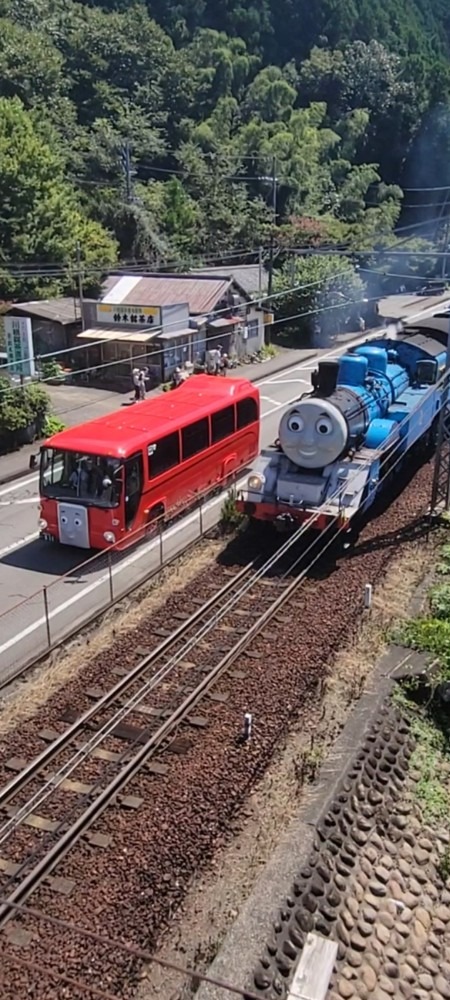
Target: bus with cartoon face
[(107, 482)]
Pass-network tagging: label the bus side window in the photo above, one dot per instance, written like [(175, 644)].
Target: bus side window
[(195, 438), (222, 424), (247, 412), (165, 455)]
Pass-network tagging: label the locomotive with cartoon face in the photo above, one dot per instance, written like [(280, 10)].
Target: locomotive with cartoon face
[(339, 445)]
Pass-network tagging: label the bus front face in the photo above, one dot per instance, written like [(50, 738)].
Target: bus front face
[(81, 498)]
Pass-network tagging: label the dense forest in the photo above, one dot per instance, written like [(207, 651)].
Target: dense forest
[(182, 131)]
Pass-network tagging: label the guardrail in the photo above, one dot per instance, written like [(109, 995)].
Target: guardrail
[(35, 626)]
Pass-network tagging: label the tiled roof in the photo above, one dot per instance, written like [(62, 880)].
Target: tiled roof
[(202, 293), (244, 275), (62, 311)]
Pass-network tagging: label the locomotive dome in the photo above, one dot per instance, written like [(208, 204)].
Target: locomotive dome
[(313, 433)]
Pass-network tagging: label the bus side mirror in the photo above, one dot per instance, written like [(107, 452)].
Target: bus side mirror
[(33, 461)]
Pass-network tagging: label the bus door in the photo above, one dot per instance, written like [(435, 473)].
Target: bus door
[(133, 487)]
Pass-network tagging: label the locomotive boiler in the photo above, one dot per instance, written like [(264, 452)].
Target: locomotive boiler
[(339, 445)]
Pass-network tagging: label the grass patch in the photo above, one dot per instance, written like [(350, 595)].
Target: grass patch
[(430, 726), (421, 699), (230, 517), (431, 633), (430, 758)]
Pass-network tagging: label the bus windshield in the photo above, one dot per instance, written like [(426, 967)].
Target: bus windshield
[(95, 479)]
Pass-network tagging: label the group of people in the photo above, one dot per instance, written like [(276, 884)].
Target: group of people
[(92, 479)]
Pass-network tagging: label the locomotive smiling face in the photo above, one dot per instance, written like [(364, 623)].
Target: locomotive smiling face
[(313, 433)]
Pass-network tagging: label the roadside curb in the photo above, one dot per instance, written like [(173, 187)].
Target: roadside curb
[(11, 476)]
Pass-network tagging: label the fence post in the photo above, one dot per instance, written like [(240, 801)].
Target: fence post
[(161, 552), (111, 589), (47, 619)]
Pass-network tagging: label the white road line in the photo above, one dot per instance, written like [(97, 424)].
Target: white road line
[(274, 379), (291, 381), (267, 399), (13, 503), (17, 484), (142, 551), (16, 545)]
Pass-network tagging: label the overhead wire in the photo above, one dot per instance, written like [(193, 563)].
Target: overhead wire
[(139, 953), (154, 331), (263, 570), (169, 665)]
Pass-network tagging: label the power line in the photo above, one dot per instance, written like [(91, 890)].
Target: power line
[(154, 331)]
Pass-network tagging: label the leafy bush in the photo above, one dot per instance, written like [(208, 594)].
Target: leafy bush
[(268, 351), (20, 408), (51, 369), (52, 425), (230, 518), (440, 601)]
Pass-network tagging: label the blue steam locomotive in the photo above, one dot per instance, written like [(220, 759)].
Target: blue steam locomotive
[(339, 445)]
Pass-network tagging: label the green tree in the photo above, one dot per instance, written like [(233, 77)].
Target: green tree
[(41, 221), (324, 295)]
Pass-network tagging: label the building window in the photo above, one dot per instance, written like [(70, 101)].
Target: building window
[(163, 455), (195, 438), (247, 412), (252, 328), (222, 424)]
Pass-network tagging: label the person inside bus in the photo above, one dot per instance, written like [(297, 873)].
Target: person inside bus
[(95, 478), (79, 478)]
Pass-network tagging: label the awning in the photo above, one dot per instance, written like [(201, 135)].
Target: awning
[(219, 324), (173, 335), (112, 333)]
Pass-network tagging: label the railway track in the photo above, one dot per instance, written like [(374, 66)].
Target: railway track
[(146, 708), (132, 887)]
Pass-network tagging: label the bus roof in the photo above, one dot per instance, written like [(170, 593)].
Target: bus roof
[(121, 433)]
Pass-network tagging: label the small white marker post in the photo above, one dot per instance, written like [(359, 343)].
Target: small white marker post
[(368, 596), (248, 719)]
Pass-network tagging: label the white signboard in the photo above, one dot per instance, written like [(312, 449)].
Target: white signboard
[(124, 315), (19, 346)]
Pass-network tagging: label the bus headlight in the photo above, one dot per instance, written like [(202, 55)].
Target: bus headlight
[(109, 536), (43, 524), (255, 483)]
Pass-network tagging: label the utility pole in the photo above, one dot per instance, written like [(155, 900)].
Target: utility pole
[(260, 264), (274, 222), (440, 493), (80, 286), (126, 163), (446, 235)]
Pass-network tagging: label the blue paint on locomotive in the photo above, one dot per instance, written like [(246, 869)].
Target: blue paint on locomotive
[(383, 379)]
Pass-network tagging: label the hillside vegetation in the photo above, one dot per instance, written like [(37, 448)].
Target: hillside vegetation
[(346, 102)]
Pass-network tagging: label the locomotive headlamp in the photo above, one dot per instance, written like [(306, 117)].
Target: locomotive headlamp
[(43, 524), (255, 482), (109, 536)]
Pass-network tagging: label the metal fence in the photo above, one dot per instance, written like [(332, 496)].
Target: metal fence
[(37, 624)]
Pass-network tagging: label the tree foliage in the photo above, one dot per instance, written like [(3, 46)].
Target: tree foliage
[(40, 218), (321, 296), (238, 117)]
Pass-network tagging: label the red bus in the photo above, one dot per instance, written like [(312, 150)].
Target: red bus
[(104, 482)]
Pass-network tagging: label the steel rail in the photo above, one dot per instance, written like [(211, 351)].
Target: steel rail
[(60, 743), (47, 755), (108, 795)]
